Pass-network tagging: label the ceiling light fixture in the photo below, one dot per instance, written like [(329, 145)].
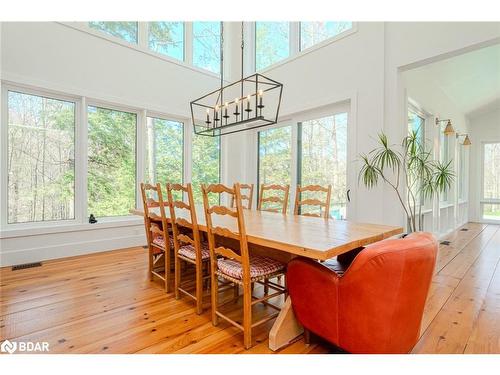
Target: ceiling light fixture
[(256, 102)]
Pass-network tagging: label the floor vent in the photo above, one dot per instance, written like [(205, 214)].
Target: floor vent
[(446, 243), (463, 230), (26, 265)]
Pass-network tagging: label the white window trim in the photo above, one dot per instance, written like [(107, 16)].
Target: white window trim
[(295, 52), (482, 199), (4, 224), (80, 222)]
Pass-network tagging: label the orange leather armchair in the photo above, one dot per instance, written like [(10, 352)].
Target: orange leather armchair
[(375, 304)]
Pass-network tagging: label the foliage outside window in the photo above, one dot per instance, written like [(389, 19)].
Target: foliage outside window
[(205, 164), (272, 43), (206, 45), (416, 128), (312, 33), (124, 30), (111, 180), (275, 157), (164, 151), (324, 158), (167, 38), (491, 180), (41, 161)]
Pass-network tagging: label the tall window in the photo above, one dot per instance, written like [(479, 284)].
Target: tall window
[(167, 38), (312, 33), (491, 181), (462, 171), (164, 151), (323, 158), (416, 124), (206, 45), (123, 30), (41, 161), (111, 180), (272, 43), (205, 163), (444, 155)]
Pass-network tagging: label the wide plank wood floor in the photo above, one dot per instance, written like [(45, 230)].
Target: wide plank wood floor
[(105, 303)]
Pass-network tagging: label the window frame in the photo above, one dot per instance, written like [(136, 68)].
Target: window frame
[(117, 37), (294, 39), (167, 118), (293, 145), (170, 58), (138, 140), (23, 89), (80, 222), (191, 40), (317, 116), (484, 200), (425, 116), (347, 105)]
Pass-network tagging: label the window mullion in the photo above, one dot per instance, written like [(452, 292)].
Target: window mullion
[(81, 161), (142, 35), (140, 160), (4, 158), (294, 38), (188, 42)]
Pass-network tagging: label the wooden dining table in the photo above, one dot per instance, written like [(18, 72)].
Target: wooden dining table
[(283, 237)]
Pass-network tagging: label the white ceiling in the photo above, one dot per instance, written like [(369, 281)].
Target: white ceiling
[(471, 81)]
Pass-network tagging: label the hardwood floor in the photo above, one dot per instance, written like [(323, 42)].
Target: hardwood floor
[(105, 303)]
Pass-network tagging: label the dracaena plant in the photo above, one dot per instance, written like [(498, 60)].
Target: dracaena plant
[(412, 165)]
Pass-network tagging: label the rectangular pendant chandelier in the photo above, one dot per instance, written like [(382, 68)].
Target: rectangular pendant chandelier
[(248, 103)]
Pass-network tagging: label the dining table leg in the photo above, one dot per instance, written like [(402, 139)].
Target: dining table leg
[(286, 328)]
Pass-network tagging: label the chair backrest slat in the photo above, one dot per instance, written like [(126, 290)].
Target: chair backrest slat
[(152, 198), (216, 229), (324, 206), (273, 189), (246, 195), (189, 233)]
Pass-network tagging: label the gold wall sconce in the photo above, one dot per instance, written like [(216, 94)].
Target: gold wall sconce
[(466, 141), (448, 130)]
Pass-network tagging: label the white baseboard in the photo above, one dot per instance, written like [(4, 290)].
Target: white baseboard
[(41, 253)]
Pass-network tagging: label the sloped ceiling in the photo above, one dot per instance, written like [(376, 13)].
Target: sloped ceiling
[(471, 81)]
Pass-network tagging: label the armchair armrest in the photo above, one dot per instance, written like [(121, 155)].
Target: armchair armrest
[(313, 290)]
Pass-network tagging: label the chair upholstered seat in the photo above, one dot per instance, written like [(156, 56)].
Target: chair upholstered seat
[(189, 251), (259, 267), (160, 241)]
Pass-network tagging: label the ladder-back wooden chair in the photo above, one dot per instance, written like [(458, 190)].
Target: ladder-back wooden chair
[(323, 205), (237, 266), (273, 202), (246, 196), (160, 242), (188, 245)]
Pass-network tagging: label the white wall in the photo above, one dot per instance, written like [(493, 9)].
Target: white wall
[(412, 44), (56, 57), (484, 127), (363, 67)]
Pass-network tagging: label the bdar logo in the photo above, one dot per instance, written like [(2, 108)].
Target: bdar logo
[(8, 347)]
